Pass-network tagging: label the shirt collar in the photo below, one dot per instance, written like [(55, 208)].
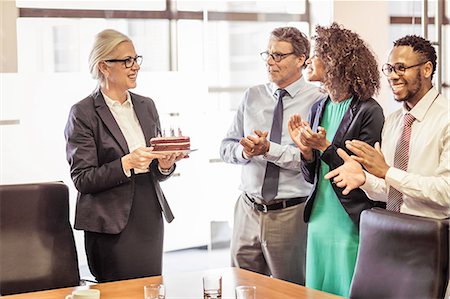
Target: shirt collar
[(421, 108), (111, 103), (292, 88)]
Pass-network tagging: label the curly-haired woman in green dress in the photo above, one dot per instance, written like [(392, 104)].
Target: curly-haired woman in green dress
[(348, 72)]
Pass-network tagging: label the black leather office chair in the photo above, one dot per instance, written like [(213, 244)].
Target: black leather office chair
[(401, 256), (37, 248)]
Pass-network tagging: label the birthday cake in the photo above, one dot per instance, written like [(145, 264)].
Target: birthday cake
[(173, 143)]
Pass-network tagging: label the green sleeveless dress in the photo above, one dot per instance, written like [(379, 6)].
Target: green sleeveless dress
[(333, 239)]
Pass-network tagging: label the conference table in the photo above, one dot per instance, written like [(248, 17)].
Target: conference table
[(188, 285)]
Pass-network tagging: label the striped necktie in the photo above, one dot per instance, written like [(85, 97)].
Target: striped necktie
[(401, 157)]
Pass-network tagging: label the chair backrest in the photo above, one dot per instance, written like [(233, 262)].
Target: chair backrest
[(401, 256), (37, 247)]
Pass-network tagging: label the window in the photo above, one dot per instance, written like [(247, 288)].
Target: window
[(220, 38)]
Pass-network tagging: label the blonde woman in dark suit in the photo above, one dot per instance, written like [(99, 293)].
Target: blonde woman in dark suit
[(119, 203)]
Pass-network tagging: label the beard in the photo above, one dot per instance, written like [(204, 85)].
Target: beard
[(415, 86)]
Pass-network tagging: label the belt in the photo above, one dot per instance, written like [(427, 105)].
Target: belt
[(276, 206)]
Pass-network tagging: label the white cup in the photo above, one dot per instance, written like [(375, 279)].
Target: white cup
[(84, 294), (245, 292)]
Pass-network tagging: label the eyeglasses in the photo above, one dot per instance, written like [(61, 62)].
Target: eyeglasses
[(128, 62), (398, 68), (277, 57)]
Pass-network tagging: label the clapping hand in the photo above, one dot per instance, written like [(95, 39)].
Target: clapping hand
[(370, 157), (314, 140), (295, 127), (349, 175), (255, 145)]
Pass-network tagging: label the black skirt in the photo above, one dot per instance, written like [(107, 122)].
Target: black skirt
[(137, 250)]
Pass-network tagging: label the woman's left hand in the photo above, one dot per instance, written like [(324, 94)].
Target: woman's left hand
[(317, 140), (167, 161)]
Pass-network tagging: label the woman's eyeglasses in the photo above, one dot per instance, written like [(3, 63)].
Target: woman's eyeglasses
[(128, 62)]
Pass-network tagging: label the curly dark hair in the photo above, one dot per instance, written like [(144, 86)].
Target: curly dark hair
[(295, 37), (350, 66), (421, 46)]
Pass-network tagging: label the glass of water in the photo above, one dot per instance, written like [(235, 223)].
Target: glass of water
[(154, 291), (212, 287), (245, 292)]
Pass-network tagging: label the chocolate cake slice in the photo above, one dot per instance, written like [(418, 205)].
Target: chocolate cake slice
[(175, 143)]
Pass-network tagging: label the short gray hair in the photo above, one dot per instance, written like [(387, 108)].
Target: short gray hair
[(295, 37), (104, 44)]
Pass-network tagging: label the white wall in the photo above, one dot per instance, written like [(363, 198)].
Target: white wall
[(368, 18)]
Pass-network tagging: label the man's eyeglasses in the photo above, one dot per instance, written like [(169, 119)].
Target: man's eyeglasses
[(277, 57), (398, 68), (128, 62)]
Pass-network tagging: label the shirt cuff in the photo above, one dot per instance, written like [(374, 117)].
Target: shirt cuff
[(274, 152), (244, 155), (240, 155), (165, 171), (394, 177), (127, 173), (368, 183)]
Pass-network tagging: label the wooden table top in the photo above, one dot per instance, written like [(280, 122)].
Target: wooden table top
[(189, 286)]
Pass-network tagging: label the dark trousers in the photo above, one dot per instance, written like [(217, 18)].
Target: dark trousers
[(137, 250)]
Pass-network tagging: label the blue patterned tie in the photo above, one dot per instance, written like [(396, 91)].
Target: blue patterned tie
[(270, 184)]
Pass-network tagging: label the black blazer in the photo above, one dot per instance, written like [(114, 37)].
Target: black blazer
[(94, 147), (363, 121)]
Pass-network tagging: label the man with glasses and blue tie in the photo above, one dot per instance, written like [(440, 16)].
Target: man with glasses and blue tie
[(411, 169), (269, 235)]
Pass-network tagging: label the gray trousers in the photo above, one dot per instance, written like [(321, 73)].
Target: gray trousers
[(272, 243)]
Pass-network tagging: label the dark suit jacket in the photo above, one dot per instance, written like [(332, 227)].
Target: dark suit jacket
[(94, 149), (363, 121)]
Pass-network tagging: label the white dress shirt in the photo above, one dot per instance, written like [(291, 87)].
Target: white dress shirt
[(426, 184), (128, 123), (256, 113)]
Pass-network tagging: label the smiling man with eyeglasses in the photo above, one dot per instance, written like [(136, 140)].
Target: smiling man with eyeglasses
[(269, 234), (411, 169)]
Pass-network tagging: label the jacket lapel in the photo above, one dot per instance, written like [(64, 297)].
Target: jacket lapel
[(346, 122), (319, 114), (144, 118), (109, 121)]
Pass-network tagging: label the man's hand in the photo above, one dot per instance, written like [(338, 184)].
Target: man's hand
[(295, 127), (371, 158), (255, 145), (349, 175)]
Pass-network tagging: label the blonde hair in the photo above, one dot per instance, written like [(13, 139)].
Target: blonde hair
[(104, 44)]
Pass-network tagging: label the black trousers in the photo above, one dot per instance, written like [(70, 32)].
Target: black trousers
[(137, 250)]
